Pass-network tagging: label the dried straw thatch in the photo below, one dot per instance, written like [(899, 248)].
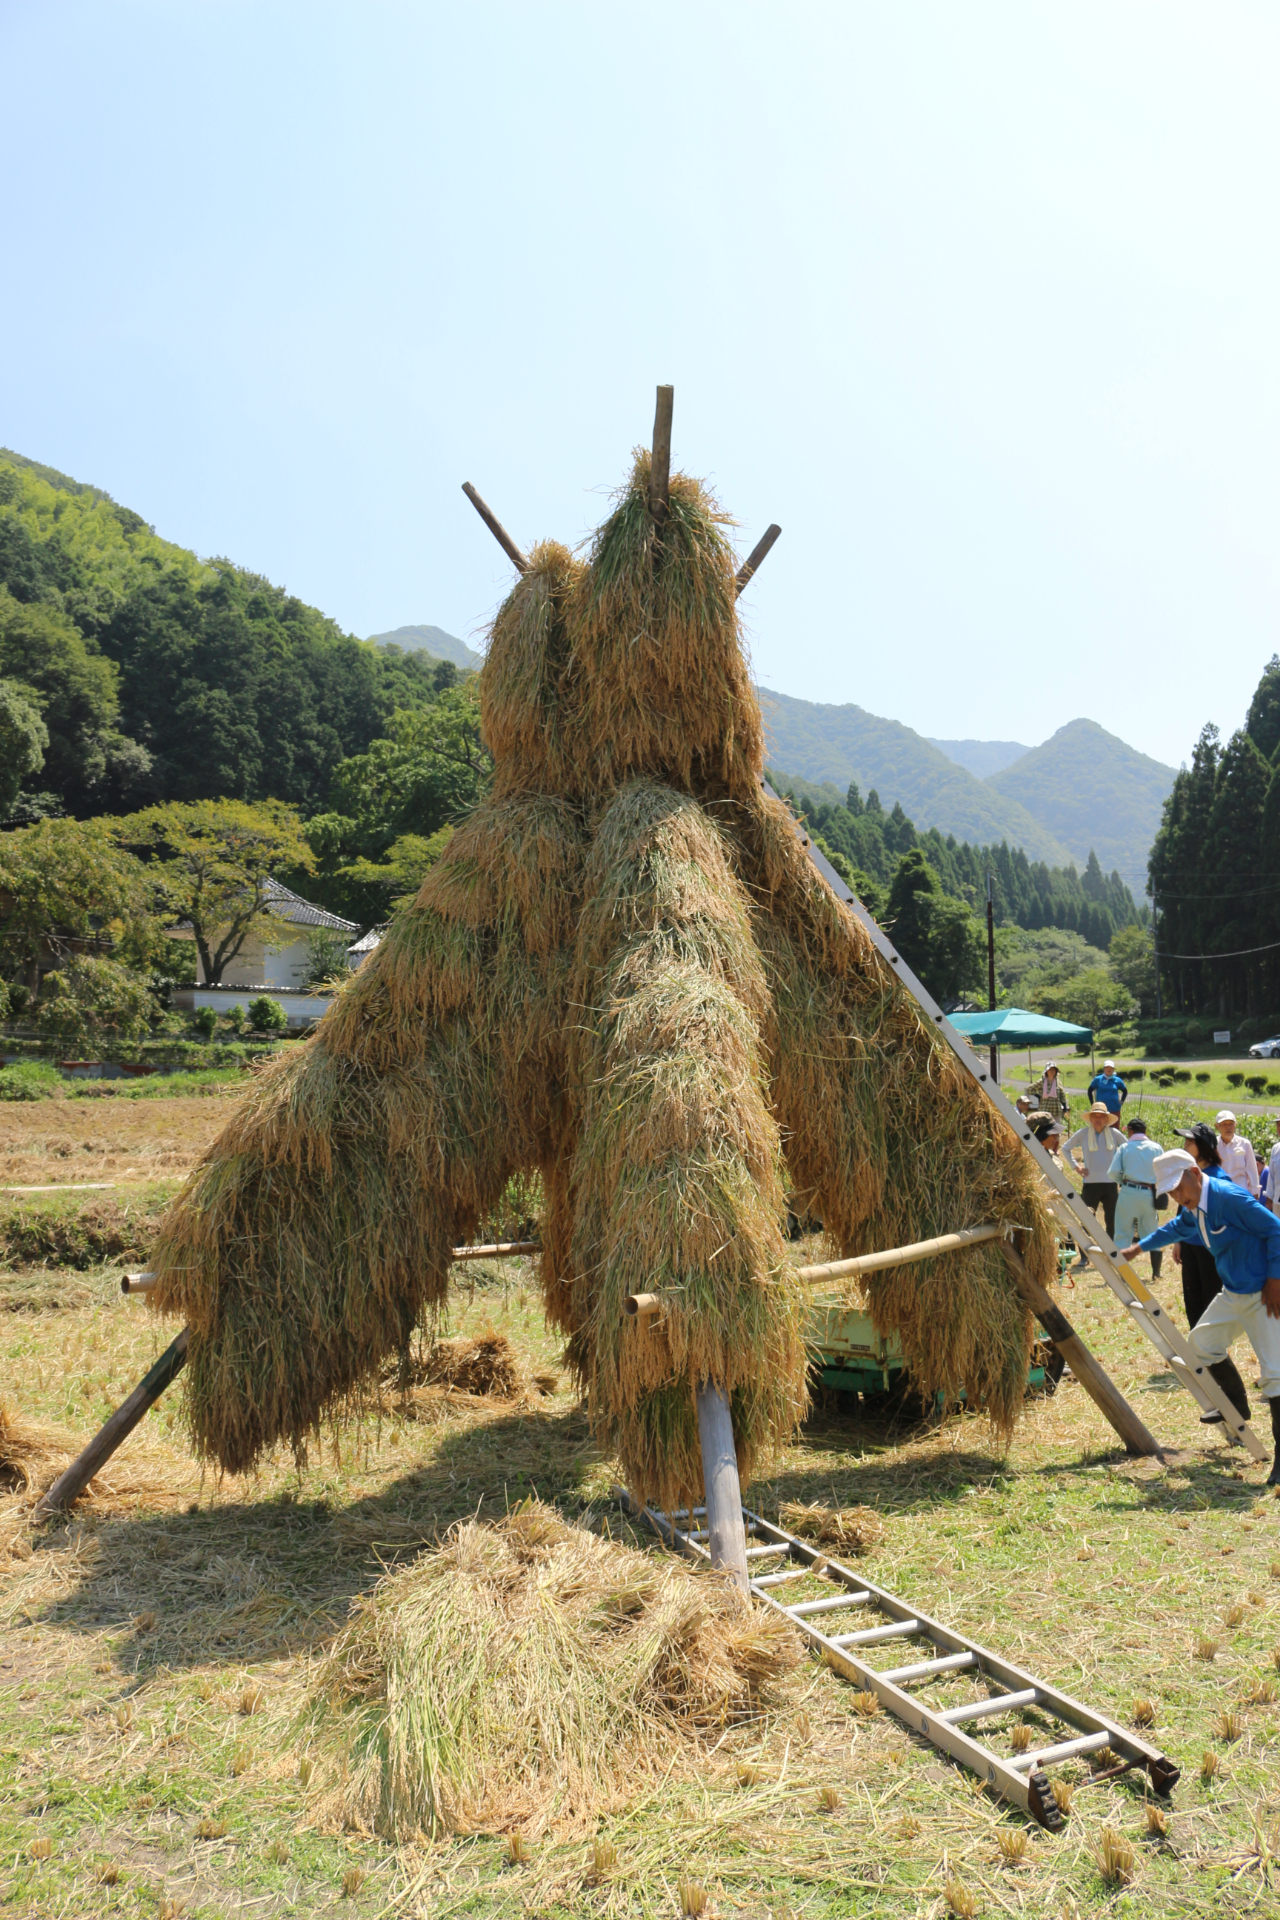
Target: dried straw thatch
[(529, 1674), (624, 974)]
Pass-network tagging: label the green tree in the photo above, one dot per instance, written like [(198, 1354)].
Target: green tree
[(267, 1015), (1093, 998), (88, 760), (23, 740), (370, 890), (1132, 961), (431, 769), (91, 1001), (215, 859), (67, 882), (1262, 722), (939, 937)]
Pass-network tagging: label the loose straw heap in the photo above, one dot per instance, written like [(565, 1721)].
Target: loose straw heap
[(530, 1675), (623, 973)]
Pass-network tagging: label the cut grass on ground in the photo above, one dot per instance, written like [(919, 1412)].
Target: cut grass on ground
[(155, 1650)]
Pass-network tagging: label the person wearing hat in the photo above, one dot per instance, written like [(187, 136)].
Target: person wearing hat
[(1236, 1154), (1098, 1142), (1200, 1276), (1136, 1201), (1108, 1087), (1273, 1172), (1048, 1132), (1244, 1239), (1050, 1092)]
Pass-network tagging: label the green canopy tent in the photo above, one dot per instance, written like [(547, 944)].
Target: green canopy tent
[(1015, 1027)]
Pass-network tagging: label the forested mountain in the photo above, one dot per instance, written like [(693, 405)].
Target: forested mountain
[(433, 640), (1215, 867), (845, 743), (1082, 790), (160, 676), (867, 843), (982, 757), (1095, 793)]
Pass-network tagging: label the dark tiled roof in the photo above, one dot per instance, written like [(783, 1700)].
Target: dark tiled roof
[(300, 913), (292, 908)]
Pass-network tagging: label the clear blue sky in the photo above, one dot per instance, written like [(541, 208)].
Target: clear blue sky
[(981, 302)]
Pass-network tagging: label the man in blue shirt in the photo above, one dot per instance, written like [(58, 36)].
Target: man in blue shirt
[(1244, 1238), (1108, 1087)]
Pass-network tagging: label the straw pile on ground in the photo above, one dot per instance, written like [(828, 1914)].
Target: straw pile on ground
[(624, 974), (531, 1675)]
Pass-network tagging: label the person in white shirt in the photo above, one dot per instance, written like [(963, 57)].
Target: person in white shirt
[(1273, 1172), (1136, 1207), (1098, 1142), (1238, 1160)]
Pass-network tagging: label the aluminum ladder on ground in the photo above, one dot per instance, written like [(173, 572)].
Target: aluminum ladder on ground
[(1064, 1202), (778, 1560)]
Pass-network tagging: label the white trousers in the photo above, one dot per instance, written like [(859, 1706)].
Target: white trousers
[(1226, 1317)]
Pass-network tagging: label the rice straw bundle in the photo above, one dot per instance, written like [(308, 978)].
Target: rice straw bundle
[(623, 973), (528, 1674)]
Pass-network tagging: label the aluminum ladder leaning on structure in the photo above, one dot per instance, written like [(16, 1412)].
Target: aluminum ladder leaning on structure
[(1064, 1202), (778, 1560)]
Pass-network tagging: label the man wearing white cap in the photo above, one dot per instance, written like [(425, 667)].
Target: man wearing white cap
[(1244, 1239), (1239, 1162)]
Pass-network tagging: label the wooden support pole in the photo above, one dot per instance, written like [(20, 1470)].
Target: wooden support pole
[(726, 1537), (497, 529), (899, 1256), (69, 1485), (762, 547), (660, 459), (1096, 1382)]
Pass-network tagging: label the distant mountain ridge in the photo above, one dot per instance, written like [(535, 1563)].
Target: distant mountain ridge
[(981, 757), (1093, 791), (1081, 789), (847, 743), (433, 640)]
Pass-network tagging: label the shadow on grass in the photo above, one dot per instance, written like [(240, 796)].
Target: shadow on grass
[(248, 1579)]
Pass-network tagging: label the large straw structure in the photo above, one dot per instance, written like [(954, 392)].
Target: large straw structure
[(624, 973)]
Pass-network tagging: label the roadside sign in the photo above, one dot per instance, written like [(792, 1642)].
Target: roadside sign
[(1222, 1039)]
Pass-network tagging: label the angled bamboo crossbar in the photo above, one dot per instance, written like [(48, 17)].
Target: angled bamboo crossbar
[(900, 1256), (762, 547), (496, 528)]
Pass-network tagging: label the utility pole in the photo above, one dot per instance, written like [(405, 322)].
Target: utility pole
[(1155, 949), (991, 976)]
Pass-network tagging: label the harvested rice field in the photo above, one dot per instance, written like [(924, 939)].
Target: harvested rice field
[(194, 1671)]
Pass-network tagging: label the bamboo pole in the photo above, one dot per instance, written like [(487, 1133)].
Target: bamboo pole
[(496, 528), (763, 546), (900, 1256), (660, 459), (71, 1484), (499, 1250), (1095, 1380), (726, 1537)]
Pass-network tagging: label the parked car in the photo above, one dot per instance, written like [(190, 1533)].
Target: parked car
[(1265, 1050)]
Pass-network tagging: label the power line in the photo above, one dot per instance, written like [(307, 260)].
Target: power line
[(1245, 893), (1235, 954)]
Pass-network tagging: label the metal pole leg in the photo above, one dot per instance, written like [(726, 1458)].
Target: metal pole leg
[(726, 1537)]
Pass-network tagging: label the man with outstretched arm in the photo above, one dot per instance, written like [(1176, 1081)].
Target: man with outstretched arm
[(1244, 1238)]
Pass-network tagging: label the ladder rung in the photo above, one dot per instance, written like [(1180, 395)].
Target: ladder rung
[(758, 1553), (869, 1635), (1087, 1743), (949, 1663), (806, 1607), (997, 1703), (777, 1579)]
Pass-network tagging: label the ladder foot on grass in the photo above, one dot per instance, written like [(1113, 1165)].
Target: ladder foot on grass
[(1068, 1730)]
